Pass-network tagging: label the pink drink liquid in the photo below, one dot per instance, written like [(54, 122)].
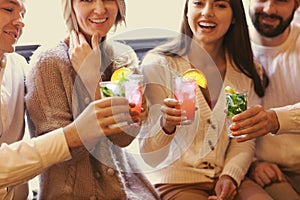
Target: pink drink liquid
[(185, 93), (136, 98), (134, 93)]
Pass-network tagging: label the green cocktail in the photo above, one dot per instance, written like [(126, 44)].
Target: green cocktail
[(235, 104)]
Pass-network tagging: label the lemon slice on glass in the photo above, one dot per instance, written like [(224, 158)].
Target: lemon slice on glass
[(229, 90), (196, 75), (120, 74)]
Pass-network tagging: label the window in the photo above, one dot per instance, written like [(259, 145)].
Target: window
[(44, 22)]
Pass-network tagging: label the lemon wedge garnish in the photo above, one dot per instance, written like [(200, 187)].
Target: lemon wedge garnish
[(197, 75), (229, 90), (121, 73)]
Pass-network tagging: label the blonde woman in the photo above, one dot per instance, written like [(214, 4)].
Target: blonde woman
[(56, 95)]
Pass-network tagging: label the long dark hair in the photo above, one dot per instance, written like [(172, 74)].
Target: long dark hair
[(236, 42)]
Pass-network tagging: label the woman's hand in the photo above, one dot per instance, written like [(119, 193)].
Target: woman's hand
[(171, 116), (254, 122), (80, 49), (225, 188), (86, 60)]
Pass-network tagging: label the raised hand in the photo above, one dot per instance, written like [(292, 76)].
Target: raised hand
[(100, 118), (86, 59), (171, 116)]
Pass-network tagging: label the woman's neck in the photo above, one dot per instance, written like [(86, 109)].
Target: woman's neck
[(216, 53)]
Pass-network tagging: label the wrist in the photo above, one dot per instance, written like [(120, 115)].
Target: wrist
[(167, 130), (72, 136), (224, 177), (275, 122)]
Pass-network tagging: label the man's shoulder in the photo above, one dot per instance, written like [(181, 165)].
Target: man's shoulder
[(16, 56)]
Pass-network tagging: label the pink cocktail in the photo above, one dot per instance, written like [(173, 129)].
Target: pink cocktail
[(185, 93), (134, 91)]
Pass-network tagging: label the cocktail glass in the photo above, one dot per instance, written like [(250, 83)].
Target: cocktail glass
[(185, 93), (111, 89), (133, 87), (235, 104)]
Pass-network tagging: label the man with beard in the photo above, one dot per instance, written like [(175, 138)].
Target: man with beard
[(276, 124)]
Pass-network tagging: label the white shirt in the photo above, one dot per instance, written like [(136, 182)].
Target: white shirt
[(282, 65), (297, 16), (12, 98)]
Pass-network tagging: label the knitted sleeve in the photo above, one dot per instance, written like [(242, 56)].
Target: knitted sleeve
[(154, 143), (238, 159), (48, 84)]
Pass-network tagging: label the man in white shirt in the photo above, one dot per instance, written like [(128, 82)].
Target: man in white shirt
[(21, 161), (276, 45)]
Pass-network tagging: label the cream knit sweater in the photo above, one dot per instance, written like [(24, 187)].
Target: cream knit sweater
[(199, 152)]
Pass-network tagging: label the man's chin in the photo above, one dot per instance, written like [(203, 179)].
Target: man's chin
[(10, 49)]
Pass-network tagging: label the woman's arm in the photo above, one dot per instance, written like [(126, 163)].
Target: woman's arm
[(154, 142)]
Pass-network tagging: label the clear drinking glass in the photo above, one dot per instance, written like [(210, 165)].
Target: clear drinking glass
[(133, 88), (185, 93), (235, 104), (111, 89)]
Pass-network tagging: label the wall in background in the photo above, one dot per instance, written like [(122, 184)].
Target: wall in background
[(44, 22)]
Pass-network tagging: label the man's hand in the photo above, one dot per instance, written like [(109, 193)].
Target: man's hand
[(100, 119), (254, 122), (265, 173)]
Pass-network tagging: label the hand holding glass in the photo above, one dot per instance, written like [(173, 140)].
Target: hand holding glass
[(131, 88)]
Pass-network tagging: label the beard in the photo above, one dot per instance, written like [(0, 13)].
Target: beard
[(268, 30)]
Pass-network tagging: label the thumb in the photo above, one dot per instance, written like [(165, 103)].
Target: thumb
[(278, 172), (95, 41), (97, 92)]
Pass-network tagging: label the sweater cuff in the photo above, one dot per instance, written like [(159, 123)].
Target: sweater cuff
[(160, 135), (234, 172), (53, 147), (284, 119)]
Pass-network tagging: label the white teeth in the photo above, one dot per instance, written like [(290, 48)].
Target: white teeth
[(13, 35), (207, 24), (98, 20)]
